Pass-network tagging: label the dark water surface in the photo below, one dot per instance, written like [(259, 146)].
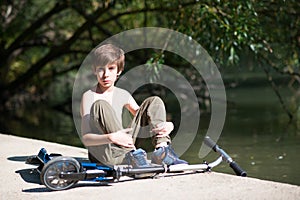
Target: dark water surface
[(258, 136), (256, 133)]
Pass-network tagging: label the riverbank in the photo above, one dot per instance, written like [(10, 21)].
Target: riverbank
[(17, 182)]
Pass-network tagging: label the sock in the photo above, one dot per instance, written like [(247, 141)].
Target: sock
[(162, 144)]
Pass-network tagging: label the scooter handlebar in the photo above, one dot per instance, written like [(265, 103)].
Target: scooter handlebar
[(237, 169), (210, 143)]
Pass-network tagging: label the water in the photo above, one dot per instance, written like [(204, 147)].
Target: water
[(258, 136), (256, 133)]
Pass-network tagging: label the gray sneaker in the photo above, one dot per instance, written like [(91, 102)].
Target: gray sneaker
[(137, 158), (166, 155)]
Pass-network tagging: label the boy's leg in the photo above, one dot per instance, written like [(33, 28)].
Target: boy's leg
[(103, 120), (151, 113)]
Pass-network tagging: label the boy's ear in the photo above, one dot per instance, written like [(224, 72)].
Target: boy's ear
[(119, 72)]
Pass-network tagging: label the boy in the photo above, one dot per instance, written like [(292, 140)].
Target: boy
[(101, 111)]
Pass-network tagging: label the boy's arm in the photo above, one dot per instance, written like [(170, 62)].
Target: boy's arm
[(89, 138), (120, 137), (132, 106)]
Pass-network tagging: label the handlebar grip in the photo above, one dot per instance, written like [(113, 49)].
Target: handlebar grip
[(237, 169), (210, 143)]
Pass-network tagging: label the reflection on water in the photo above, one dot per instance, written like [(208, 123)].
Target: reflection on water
[(41, 123), (256, 134)]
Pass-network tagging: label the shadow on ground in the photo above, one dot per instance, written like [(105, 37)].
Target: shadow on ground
[(32, 175)]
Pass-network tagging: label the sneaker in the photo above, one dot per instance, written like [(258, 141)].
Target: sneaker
[(166, 155), (137, 158)]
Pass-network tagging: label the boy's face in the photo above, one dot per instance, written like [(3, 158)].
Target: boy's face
[(107, 75)]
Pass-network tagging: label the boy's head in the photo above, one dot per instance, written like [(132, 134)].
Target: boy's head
[(107, 54)]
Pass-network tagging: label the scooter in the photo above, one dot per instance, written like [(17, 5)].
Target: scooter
[(59, 172)]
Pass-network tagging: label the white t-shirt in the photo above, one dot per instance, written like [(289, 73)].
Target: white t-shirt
[(117, 98)]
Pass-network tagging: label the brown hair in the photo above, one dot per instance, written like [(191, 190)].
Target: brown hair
[(106, 54)]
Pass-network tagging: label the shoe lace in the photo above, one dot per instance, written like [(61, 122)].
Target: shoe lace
[(170, 156), (140, 157), (172, 152)]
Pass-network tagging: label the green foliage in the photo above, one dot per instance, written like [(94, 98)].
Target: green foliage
[(154, 66), (44, 39)]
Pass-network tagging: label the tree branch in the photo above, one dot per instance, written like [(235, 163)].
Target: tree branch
[(131, 12), (61, 72), (54, 52), (28, 32), (274, 66), (275, 88), (87, 17)]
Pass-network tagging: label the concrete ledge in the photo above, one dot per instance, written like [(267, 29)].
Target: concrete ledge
[(14, 151)]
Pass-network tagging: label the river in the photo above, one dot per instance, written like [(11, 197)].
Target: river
[(256, 133)]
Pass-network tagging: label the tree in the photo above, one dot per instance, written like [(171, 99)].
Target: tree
[(41, 40)]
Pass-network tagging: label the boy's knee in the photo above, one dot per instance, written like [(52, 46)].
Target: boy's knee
[(155, 99), (99, 105)]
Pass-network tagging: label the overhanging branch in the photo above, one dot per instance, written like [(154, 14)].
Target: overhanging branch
[(34, 26), (276, 90), (54, 52)]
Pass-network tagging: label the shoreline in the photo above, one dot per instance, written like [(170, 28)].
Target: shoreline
[(16, 184)]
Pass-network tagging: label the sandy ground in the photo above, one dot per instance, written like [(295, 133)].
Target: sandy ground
[(17, 181)]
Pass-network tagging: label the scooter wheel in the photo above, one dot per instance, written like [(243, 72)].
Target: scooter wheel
[(52, 169)]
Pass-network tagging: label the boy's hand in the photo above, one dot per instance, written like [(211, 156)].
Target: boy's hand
[(163, 129), (122, 138)]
